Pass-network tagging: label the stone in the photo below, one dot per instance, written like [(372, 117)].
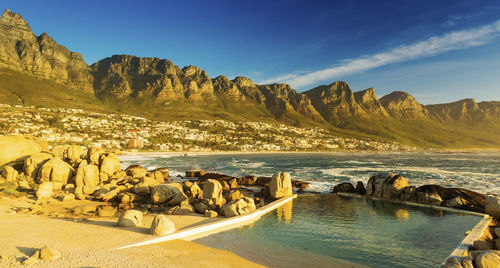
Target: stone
[(35, 258), (233, 184), (497, 243), (492, 206), (106, 211), (161, 225), (171, 193), (496, 231), (87, 175), (232, 196), (210, 214), (110, 165), (158, 177), (360, 188), (239, 207), (108, 196), (429, 194), (193, 190), (456, 202), (345, 187), (201, 207), (136, 171), (14, 147), (49, 253), (9, 173), (57, 171), (452, 262), (130, 218), (386, 185), (195, 173), (68, 197), (74, 153), (93, 155), (183, 209), (482, 245), (247, 180), (33, 163), (84, 210), (142, 189), (225, 186), (69, 187), (467, 262), (212, 189), (487, 260), (60, 151), (280, 185), (24, 185), (44, 190), (88, 189)]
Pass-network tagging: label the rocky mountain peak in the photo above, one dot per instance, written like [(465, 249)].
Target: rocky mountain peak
[(466, 109), (402, 105), (15, 20), (243, 81), (368, 100)]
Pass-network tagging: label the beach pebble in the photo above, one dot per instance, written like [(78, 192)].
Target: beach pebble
[(130, 218), (161, 226), (49, 253)]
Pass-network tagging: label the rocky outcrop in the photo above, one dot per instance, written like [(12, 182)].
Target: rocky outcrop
[(386, 185), (40, 56), (369, 102), (170, 194), (17, 147), (56, 171), (34, 162), (280, 185), (402, 105), (466, 109), (239, 207)]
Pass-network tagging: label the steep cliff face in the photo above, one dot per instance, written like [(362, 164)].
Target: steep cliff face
[(41, 56), (466, 109), (335, 102), (402, 105), (369, 102), (490, 108)]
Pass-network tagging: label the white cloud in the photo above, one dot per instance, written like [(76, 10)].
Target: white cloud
[(435, 45)]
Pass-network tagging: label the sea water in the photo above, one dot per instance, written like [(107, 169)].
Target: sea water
[(474, 171)]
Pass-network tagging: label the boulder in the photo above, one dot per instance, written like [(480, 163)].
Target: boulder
[(33, 163), (57, 171), (201, 207), (14, 147), (386, 185), (487, 260), (497, 243), (87, 175), (75, 153), (110, 165), (212, 189), (49, 253), (497, 231), (130, 218), (183, 209), (233, 196), (60, 151), (158, 177), (193, 190), (142, 189), (492, 206), (9, 173), (452, 262), (247, 180), (239, 207), (482, 245), (161, 226), (195, 173), (93, 155), (44, 190), (345, 187), (210, 213), (136, 171), (360, 188), (24, 185), (106, 211), (280, 185), (170, 193), (165, 172), (68, 197), (467, 262), (233, 184)]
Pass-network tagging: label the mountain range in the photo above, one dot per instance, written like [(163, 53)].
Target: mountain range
[(36, 70)]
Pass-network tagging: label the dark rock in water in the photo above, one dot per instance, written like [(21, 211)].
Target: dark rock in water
[(263, 181), (247, 180), (195, 173), (409, 194), (302, 185), (345, 187), (452, 197), (386, 185), (360, 188), (203, 176)]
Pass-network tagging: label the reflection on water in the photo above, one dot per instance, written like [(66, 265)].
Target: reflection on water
[(329, 229)]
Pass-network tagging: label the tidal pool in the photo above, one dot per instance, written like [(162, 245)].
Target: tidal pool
[(333, 231)]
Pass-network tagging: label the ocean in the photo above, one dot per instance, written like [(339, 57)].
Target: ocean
[(476, 171)]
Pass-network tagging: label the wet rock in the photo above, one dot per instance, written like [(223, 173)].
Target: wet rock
[(49, 253), (280, 185), (130, 218), (161, 226), (44, 191), (345, 187), (210, 214), (239, 207), (360, 188), (171, 193), (492, 206)]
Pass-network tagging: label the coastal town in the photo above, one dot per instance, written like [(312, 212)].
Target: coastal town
[(122, 131)]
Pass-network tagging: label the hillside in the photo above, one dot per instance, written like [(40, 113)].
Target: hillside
[(36, 70)]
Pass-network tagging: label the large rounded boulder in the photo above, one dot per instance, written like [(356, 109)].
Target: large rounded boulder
[(280, 185), (110, 165), (241, 206), (33, 163), (170, 193), (56, 171), (87, 175), (15, 147), (212, 189), (386, 185)]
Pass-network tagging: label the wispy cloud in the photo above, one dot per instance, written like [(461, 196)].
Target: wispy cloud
[(435, 45)]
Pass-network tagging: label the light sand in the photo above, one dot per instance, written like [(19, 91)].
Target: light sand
[(90, 242)]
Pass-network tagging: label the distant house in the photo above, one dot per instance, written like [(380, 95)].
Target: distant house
[(136, 142)]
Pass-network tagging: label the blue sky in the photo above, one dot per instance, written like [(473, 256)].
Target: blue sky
[(439, 51)]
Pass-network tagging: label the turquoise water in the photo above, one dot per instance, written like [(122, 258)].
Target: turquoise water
[(332, 231), (474, 171)]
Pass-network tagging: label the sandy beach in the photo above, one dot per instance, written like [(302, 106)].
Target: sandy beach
[(90, 242)]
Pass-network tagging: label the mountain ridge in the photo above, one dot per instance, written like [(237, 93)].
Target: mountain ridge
[(160, 89)]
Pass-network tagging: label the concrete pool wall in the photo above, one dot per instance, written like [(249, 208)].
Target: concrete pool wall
[(218, 226)]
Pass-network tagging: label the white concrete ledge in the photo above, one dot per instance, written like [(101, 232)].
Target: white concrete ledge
[(215, 227)]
